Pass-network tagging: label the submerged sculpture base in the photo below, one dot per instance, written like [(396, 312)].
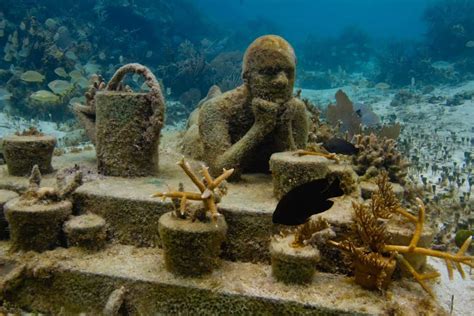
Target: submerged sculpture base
[(72, 281)]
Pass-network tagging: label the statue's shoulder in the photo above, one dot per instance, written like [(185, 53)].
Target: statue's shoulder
[(225, 100)]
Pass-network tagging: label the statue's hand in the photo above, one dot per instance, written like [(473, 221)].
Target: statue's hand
[(265, 112)]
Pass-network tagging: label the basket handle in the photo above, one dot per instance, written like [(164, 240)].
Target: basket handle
[(155, 96)]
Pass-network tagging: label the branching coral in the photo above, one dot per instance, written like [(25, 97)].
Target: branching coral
[(211, 191), (379, 154), (37, 194), (304, 233), (369, 245)]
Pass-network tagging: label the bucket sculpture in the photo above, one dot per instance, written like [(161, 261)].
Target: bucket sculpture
[(128, 126)]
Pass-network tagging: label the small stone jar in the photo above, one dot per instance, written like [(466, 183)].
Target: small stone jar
[(86, 231), (36, 227), (191, 248), (290, 264), (23, 152)]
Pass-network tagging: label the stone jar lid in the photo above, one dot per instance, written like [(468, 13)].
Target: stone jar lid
[(29, 138), (17, 206), (84, 222), (282, 246)]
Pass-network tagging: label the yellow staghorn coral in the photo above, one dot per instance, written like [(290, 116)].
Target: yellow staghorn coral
[(312, 152), (370, 239), (207, 187)]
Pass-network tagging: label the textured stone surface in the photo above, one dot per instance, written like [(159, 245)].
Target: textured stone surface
[(121, 122), (36, 227), (293, 265), (69, 280), (5, 196), (191, 248), (23, 152), (87, 231)]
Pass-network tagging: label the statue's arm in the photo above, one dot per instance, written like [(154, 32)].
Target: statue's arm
[(299, 124), (214, 131)]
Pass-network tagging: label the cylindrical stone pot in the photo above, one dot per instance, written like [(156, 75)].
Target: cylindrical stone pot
[(5, 196), (191, 248), (128, 126), (36, 227), (23, 152), (293, 265), (86, 231)]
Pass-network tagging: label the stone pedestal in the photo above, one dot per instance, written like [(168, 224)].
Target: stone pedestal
[(36, 227), (293, 265), (23, 152), (401, 234), (191, 248), (290, 171)]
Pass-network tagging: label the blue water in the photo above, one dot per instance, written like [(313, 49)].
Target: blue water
[(193, 44), (298, 18)]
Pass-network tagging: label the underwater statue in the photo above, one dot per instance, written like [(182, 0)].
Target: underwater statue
[(243, 127)]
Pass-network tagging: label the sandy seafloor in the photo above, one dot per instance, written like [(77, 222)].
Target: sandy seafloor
[(436, 120)]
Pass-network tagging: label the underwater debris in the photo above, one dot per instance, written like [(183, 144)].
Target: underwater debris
[(31, 131), (211, 192), (311, 198), (374, 258)]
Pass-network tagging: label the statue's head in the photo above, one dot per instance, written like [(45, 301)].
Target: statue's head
[(269, 68)]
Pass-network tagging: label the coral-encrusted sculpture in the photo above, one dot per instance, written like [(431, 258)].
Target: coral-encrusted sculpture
[(192, 238), (294, 254), (128, 125), (24, 150), (37, 216), (241, 128), (377, 154), (86, 113), (374, 259)]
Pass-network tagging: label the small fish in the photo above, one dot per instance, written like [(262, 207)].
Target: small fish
[(470, 44), (340, 146), (32, 76), (298, 205)]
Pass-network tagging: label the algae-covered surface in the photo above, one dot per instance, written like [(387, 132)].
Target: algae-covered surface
[(70, 276)]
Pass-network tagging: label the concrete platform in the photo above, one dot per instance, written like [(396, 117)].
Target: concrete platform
[(70, 281), (132, 215)]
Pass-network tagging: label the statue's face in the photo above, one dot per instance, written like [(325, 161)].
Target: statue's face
[(273, 82)]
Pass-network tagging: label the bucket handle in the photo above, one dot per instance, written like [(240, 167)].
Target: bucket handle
[(155, 96)]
